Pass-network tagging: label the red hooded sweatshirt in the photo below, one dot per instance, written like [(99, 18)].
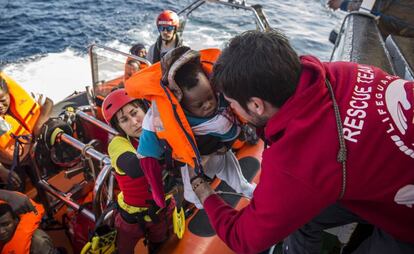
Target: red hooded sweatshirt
[(300, 172)]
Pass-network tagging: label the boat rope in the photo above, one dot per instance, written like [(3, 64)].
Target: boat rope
[(342, 153), (232, 194), (85, 150)]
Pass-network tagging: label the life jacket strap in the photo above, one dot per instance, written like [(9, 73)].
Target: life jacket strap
[(15, 167)]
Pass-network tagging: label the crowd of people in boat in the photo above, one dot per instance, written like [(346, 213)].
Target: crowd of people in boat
[(339, 147)]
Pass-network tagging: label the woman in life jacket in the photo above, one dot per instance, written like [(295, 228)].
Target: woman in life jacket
[(137, 216), (21, 118)]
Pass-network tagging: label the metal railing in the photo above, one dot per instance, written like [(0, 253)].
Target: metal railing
[(96, 122), (93, 60), (257, 11), (102, 192)]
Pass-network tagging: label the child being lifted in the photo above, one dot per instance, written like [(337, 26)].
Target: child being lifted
[(212, 121)]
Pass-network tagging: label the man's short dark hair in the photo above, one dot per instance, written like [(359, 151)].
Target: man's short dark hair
[(257, 64), (186, 76), (6, 208)]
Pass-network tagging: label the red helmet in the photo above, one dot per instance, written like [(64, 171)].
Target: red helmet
[(114, 102), (168, 18)]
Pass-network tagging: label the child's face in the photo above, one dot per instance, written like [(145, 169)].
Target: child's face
[(200, 100)]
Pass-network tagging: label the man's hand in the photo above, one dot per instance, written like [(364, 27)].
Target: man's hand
[(19, 202), (200, 186), (334, 4)]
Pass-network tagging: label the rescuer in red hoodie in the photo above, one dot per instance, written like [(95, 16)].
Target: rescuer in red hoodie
[(340, 144)]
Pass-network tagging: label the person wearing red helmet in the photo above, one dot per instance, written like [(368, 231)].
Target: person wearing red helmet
[(137, 214), (167, 24)]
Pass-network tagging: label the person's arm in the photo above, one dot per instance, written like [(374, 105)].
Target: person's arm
[(150, 150), (19, 202), (150, 54), (42, 243), (129, 163), (281, 204), (124, 157), (353, 5), (345, 5), (45, 111), (153, 174)]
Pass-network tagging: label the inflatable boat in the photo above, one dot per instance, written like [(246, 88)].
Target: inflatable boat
[(73, 176)]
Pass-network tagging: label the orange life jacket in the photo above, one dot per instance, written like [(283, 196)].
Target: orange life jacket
[(175, 128), (24, 113), (22, 238)]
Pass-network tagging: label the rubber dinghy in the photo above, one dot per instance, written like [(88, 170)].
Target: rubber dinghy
[(72, 176)]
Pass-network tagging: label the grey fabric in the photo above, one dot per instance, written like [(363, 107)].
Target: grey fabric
[(308, 239), (41, 243), (150, 54)]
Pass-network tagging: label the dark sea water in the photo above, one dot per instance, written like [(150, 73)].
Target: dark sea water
[(43, 43)]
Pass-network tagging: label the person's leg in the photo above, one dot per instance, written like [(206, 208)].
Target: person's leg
[(382, 243), (159, 232), (189, 194), (127, 235), (228, 169), (361, 232), (308, 239)]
